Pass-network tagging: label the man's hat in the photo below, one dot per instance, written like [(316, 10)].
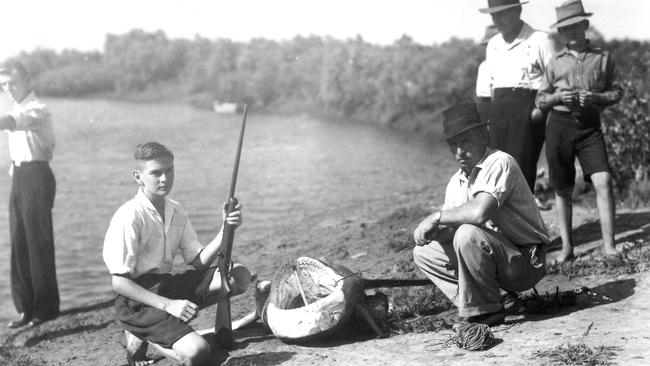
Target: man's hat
[(570, 12), (495, 6), (460, 118)]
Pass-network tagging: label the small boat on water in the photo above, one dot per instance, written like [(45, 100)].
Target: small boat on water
[(225, 107)]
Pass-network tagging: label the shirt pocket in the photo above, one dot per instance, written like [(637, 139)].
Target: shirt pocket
[(597, 79)]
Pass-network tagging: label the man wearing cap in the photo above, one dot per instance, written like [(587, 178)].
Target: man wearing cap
[(579, 82), (516, 59), (489, 234)]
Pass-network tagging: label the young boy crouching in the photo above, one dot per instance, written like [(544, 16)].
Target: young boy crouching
[(145, 234)]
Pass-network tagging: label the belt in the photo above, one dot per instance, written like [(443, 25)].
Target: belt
[(517, 89), (27, 163)]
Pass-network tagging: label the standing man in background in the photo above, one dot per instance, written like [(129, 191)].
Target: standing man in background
[(516, 59), (484, 79), (31, 142)]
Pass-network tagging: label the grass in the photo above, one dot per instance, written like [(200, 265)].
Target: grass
[(577, 354), (11, 356), (636, 259)]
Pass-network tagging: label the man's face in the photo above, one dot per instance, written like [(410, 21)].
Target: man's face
[(506, 20), (14, 85), (574, 33), (468, 148), (156, 177)]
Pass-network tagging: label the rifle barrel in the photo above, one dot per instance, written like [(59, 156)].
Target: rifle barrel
[(235, 169)]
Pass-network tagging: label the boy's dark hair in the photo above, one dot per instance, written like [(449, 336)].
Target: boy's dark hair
[(152, 150), (10, 65)]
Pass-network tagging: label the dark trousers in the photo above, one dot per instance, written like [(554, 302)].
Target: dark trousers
[(512, 131), (33, 275)]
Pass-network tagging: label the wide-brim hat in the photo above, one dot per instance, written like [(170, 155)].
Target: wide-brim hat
[(570, 12), (495, 6), (460, 118)]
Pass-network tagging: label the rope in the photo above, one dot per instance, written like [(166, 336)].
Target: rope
[(469, 336), (473, 336)]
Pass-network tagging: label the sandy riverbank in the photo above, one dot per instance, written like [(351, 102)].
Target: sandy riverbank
[(613, 315)]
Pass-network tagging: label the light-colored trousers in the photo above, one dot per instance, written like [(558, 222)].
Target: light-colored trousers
[(472, 270)]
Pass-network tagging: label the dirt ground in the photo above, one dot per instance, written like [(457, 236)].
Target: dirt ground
[(613, 315)]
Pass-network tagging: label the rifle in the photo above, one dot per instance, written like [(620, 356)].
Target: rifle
[(223, 320)]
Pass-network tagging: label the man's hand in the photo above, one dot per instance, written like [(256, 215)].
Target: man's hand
[(182, 309), (586, 99), (568, 97), (429, 224), (235, 218)]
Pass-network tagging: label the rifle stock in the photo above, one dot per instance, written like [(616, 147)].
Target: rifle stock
[(223, 321)]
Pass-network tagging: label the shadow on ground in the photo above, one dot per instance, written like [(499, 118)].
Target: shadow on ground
[(261, 359), (547, 306), (590, 231)]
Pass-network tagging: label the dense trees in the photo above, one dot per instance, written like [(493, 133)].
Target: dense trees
[(403, 84), (350, 78)]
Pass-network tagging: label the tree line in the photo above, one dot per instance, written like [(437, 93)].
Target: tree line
[(402, 85)]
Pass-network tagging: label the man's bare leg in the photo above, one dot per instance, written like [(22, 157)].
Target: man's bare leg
[(605, 200), (564, 208)]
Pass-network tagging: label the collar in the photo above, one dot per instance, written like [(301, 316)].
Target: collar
[(589, 48), (464, 178), (30, 97), (168, 207), (525, 33)]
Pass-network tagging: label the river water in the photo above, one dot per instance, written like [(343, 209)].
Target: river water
[(293, 169)]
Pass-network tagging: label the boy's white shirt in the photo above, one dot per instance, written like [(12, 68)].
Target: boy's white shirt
[(138, 242)]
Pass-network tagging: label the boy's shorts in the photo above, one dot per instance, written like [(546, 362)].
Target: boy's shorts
[(158, 326), (568, 136)]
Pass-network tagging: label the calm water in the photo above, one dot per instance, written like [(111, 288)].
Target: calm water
[(299, 165)]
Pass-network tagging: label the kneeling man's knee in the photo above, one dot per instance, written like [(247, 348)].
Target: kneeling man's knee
[(192, 350), (466, 236)]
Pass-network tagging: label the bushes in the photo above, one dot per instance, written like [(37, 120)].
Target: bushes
[(627, 129), (386, 85)]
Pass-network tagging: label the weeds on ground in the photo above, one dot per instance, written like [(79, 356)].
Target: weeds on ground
[(577, 354), (413, 310), (636, 258), (10, 356)]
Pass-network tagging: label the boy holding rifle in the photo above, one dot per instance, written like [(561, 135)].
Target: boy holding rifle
[(145, 234)]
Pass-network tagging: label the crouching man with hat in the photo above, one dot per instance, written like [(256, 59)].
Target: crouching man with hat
[(489, 235)]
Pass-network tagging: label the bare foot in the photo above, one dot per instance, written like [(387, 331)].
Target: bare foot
[(611, 251), (612, 254), (136, 351), (565, 256)]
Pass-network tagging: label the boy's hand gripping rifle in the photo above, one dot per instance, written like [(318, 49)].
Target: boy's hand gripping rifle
[(223, 321)]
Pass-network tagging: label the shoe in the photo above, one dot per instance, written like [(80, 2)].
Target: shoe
[(542, 205), (23, 320), (490, 319), (509, 299), (136, 351), (36, 321)]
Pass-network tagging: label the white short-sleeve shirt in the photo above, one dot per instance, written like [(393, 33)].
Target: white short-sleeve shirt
[(498, 174), (138, 241), (521, 63), (33, 137)]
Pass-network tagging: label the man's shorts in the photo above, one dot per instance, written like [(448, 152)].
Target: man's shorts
[(568, 136), (156, 325)]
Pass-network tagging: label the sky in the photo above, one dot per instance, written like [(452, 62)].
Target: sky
[(83, 24)]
